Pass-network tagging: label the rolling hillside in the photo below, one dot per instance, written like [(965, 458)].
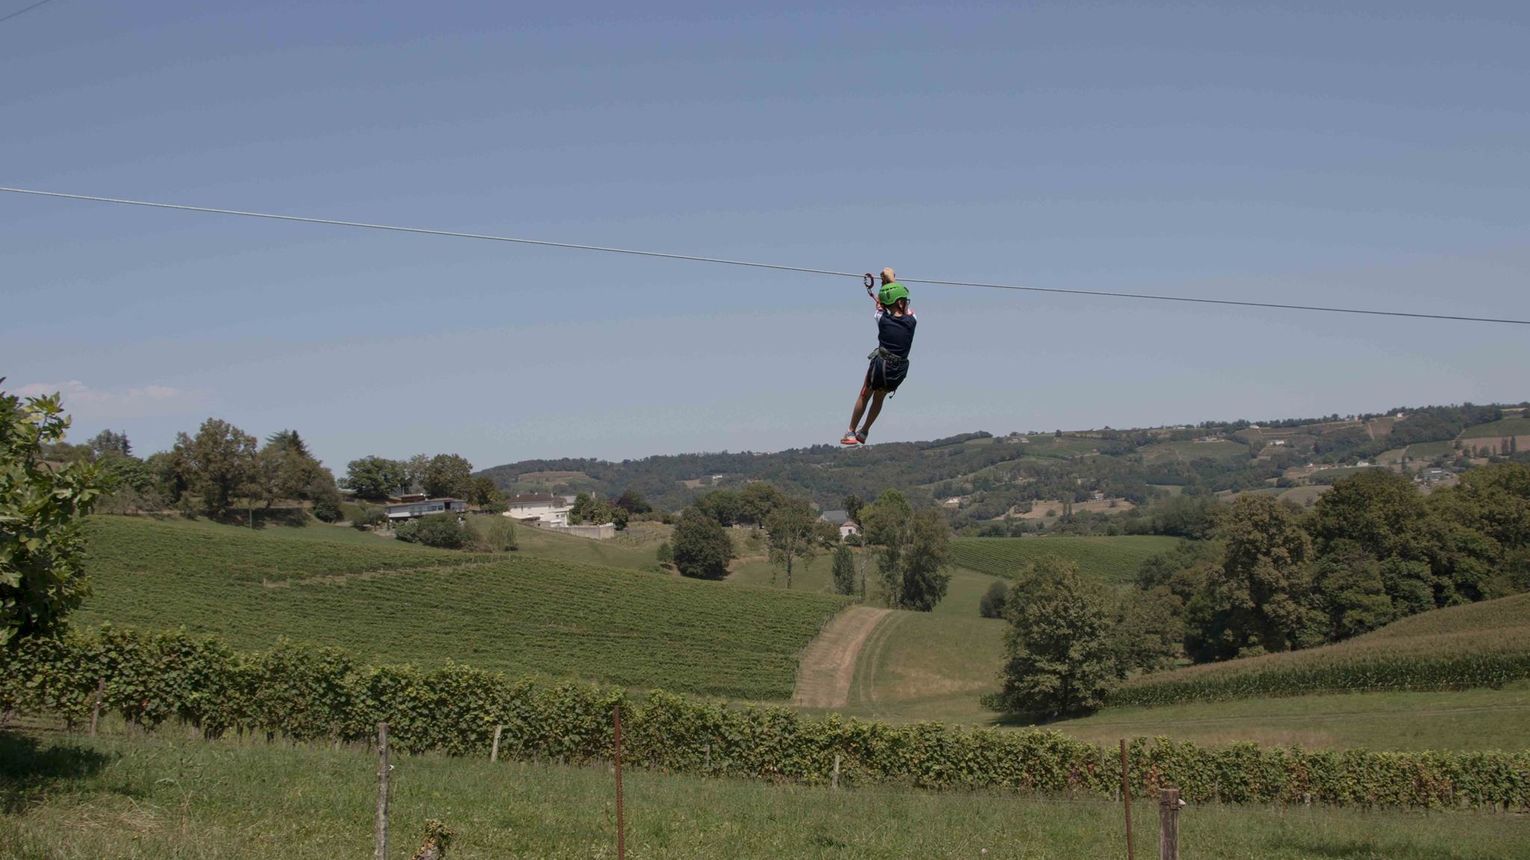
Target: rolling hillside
[(399, 603), (1111, 559)]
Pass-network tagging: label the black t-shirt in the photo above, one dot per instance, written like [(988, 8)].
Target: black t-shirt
[(896, 334)]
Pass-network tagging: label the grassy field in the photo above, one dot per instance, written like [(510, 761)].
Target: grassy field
[(1111, 559), (116, 797), (1430, 450), (1382, 659), (927, 666), (396, 603), (634, 549), (1219, 449)]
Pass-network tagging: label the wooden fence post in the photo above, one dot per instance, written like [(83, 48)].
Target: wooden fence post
[(1168, 823), (834, 777), (95, 709), (1126, 799), (621, 824), (380, 829), (494, 753)]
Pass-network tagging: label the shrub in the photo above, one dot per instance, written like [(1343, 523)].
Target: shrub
[(992, 603), (491, 534), (308, 693), (368, 517), (328, 510), (440, 530)]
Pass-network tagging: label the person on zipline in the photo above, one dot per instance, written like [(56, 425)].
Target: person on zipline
[(889, 362)]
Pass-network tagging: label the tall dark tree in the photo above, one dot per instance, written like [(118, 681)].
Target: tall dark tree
[(1060, 660), (448, 475), (913, 551), (1257, 599), (110, 442), (220, 464), (702, 548), (844, 571), (792, 534)]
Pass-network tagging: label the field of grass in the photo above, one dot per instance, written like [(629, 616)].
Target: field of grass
[(634, 549), (1047, 445), (1506, 427), (1430, 450), (1111, 559), (397, 603), (68, 798), (926, 666), (1480, 644)]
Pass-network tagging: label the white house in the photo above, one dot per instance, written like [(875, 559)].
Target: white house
[(848, 528), (539, 508)]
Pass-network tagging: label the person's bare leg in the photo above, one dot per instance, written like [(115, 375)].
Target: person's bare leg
[(860, 408), (876, 409)]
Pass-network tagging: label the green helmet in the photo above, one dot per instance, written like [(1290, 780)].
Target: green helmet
[(891, 292)]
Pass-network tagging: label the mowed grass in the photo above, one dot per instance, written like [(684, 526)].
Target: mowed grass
[(919, 666), (1495, 630), (1111, 559), (67, 798), (393, 603)]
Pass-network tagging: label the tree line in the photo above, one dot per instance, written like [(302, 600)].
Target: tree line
[(1269, 577)]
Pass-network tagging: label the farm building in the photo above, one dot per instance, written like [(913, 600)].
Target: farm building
[(425, 507), (539, 508), (848, 528)]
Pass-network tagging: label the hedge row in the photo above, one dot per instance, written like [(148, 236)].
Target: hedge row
[(1287, 675), (310, 693)]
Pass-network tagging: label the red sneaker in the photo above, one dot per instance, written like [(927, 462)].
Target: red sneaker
[(851, 439)]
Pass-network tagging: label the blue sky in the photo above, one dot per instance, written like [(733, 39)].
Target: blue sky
[(1377, 155)]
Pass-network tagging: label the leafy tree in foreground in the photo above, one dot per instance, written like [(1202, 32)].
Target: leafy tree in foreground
[(42, 549), (701, 546), (219, 463), (1059, 658), (844, 571), (792, 533), (375, 478)]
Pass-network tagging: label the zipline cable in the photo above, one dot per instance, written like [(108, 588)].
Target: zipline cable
[(427, 231), (19, 12)]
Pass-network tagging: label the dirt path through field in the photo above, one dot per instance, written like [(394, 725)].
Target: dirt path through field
[(828, 663)]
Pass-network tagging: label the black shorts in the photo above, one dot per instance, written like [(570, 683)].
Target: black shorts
[(886, 372)]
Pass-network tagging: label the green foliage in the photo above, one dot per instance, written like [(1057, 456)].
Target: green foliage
[(441, 531), (483, 493), (793, 534), (314, 694), (844, 571), (1480, 645), (589, 508), (991, 604), (702, 547), (665, 554), (42, 548), (110, 442), (1060, 659), (375, 478), (491, 534), (1149, 630), (448, 475), (217, 465), (914, 551)]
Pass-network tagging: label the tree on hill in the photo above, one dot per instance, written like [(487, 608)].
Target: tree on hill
[(375, 478), (914, 550), (109, 442), (758, 501), (702, 548), (219, 463), (992, 603), (284, 469), (633, 502), (448, 475), (724, 506), (42, 549), (1257, 599), (486, 495), (792, 534), (1059, 660)]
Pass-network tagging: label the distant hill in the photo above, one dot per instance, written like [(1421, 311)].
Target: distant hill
[(988, 476)]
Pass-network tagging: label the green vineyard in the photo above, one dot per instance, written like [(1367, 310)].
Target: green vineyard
[(397, 603), (1110, 559)]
